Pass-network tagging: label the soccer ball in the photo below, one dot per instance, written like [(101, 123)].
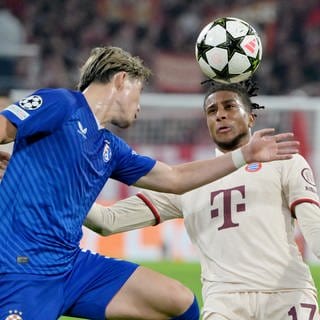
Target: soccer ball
[(228, 50)]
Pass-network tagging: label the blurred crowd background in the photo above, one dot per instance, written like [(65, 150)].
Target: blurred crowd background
[(44, 42)]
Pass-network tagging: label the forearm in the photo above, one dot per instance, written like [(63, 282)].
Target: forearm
[(308, 216), (209, 170), (185, 177), (124, 215), (181, 178)]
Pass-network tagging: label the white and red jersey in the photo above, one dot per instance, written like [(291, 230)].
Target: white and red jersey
[(243, 226)]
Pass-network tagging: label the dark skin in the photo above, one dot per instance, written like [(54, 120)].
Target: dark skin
[(228, 120)]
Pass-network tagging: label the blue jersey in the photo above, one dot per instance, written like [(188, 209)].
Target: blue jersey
[(61, 161)]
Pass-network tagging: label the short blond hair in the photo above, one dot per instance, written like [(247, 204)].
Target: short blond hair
[(104, 62)]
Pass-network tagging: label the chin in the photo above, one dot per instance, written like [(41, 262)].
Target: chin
[(232, 143), (228, 145), (122, 124)]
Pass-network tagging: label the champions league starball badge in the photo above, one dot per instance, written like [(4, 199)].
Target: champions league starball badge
[(14, 315), (31, 103)]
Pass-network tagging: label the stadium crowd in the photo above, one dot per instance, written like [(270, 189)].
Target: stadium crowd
[(65, 31)]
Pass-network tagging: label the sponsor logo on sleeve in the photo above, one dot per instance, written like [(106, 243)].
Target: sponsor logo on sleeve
[(31, 103), (18, 112)]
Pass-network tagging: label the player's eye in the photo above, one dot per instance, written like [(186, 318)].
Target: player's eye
[(211, 110), (230, 107)]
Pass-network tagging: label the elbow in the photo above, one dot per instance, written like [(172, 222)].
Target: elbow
[(180, 191), (106, 232), (175, 188), (101, 231), (106, 229)]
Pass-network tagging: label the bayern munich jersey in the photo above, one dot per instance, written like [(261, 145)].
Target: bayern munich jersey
[(61, 161), (243, 226)]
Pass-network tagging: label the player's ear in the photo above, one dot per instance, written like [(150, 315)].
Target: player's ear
[(119, 79), (252, 120)]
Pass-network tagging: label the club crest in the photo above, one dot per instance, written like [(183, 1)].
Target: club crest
[(253, 167), (106, 155)]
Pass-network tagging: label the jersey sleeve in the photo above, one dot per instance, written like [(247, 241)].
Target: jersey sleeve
[(298, 182), (41, 112), (139, 211), (130, 166), (308, 216), (165, 206)]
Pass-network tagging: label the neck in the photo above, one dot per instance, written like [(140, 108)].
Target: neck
[(100, 101)]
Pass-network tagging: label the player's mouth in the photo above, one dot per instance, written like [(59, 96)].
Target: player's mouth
[(223, 129)]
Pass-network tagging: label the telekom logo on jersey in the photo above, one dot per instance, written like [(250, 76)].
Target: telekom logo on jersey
[(228, 196)]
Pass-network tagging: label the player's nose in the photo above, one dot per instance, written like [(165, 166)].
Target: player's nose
[(221, 113)]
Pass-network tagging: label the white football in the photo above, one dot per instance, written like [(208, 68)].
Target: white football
[(228, 50)]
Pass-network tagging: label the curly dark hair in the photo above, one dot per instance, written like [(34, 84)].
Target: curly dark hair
[(245, 89)]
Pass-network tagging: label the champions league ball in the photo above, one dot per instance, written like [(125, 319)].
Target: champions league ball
[(228, 50)]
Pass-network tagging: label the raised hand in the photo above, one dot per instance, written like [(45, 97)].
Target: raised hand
[(266, 146)]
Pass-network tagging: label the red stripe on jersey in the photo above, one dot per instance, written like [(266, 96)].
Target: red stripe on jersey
[(295, 203), (150, 205)]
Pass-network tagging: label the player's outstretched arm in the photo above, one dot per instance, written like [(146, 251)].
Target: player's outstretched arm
[(146, 208), (263, 147), (128, 214)]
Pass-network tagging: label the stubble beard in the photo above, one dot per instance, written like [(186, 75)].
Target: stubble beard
[(233, 144), (121, 124)]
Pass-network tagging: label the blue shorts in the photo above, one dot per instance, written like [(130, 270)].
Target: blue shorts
[(83, 292)]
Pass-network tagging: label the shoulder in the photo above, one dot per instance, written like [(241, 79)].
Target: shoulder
[(298, 159), (57, 94)]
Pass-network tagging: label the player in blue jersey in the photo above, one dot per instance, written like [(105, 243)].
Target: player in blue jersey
[(63, 155)]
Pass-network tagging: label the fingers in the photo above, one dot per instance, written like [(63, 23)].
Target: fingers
[(269, 133), (283, 157), (288, 147), (264, 132), (283, 136), (266, 146)]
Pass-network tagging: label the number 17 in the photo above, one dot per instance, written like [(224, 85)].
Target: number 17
[(293, 313)]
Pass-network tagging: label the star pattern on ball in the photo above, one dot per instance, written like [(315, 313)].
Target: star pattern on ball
[(232, 44), (202, 50)]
